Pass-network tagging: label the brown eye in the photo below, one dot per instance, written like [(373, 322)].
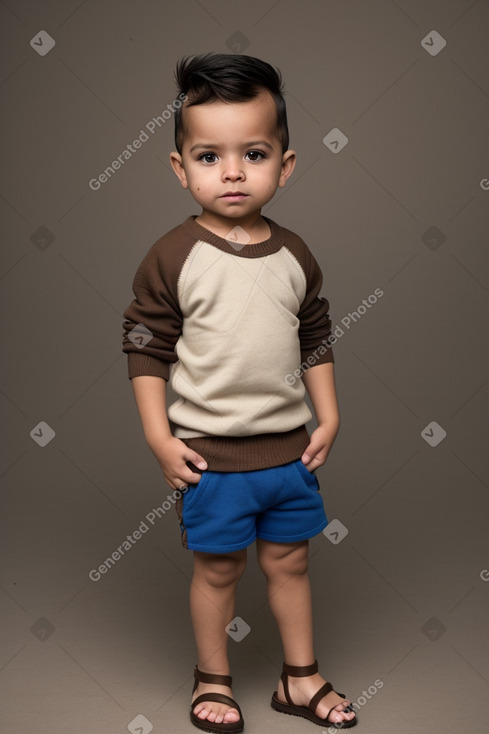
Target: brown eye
[(205, 157), (255, 155)]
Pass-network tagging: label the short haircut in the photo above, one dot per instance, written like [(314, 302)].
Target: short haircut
[(229, 78)]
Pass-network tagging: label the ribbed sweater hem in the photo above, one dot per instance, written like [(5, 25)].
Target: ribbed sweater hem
[(249, 453)]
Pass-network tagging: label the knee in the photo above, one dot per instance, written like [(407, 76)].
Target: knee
[(287, 562), (221, 570)]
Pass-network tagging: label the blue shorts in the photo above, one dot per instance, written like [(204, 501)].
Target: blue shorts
[(227, 511)]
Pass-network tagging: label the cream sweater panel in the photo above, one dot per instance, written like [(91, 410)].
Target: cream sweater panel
[(239, 341)]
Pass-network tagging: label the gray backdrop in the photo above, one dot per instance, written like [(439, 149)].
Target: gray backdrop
[(400, 576)]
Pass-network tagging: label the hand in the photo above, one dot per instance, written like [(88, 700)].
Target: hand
[(319, 447), (172, 455)]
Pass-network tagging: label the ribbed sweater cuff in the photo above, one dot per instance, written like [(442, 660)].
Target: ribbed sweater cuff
[(143, 364)]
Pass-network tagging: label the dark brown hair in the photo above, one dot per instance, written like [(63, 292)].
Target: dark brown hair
[(229, 78)]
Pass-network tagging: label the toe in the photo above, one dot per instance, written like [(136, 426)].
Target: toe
[(337, 714), (231, 716), (203, 713)]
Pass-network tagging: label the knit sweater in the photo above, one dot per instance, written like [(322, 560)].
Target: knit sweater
[(227, 325)]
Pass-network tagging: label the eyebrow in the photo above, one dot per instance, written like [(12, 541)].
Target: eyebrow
[(247, 145)]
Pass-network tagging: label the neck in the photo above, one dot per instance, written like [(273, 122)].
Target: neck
[(249, 229)]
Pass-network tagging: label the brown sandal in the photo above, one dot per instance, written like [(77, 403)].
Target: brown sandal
[(308, 712), (221, 680)]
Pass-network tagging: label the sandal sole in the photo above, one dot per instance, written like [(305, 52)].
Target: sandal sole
[(305, 713), (212, 729)]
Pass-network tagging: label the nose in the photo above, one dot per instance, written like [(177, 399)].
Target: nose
[(232, 169)]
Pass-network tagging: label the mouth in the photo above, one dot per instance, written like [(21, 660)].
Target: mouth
[(233, 196)]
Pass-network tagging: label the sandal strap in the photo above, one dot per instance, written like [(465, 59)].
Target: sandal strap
[(220, 680), (296, 671), (217, 698), (323, 691), (300, 671)]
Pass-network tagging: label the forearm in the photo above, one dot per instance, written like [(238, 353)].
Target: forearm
[(172, 453), (150, 395), (320, 384)]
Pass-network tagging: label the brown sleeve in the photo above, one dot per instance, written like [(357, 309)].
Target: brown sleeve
[(315, 324), (153, 320)]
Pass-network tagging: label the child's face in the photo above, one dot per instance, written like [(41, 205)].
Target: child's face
[(232, 147)]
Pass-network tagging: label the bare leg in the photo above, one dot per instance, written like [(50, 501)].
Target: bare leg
[(285, 566), (212, 601)]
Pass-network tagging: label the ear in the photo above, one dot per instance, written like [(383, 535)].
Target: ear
[(288, 164), (177, 165)]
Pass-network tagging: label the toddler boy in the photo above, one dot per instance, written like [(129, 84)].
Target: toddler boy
[(227, 309)]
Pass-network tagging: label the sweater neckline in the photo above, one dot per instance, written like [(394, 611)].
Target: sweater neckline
[(258, 249)]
